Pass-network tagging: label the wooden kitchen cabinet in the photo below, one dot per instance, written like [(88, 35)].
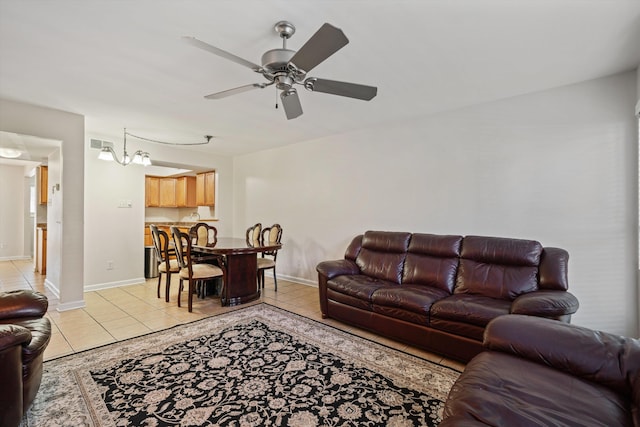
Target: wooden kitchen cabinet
[(151, 191), (168, 192), (206, 188), (186, 192), (179, 192), (148, 240), (43, 195)]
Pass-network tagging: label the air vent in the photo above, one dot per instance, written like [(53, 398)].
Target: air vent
[(96, 143)]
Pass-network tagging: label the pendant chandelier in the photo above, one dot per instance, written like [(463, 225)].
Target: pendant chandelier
[(139, 157)]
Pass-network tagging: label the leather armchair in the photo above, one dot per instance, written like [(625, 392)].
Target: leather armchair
[(24, 335), (540, 372)]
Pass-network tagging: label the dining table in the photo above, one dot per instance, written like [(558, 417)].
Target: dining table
[(241, 263)]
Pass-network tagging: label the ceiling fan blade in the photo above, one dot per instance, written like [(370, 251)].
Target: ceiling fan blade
[(223, 53), (351, 90), (237, 90), (291, 103), (324, 43)]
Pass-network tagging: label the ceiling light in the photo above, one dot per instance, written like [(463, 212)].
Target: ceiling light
[(139, 157), (105, 154), (10, 153)]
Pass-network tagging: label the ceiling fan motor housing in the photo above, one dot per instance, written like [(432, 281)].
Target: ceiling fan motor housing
[(275, 60)]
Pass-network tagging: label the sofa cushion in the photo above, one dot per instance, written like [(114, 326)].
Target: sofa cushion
[(355, 290), (501, 390), (466, 308), (432, 260), (382, 254), (498, 267), (407, 301)]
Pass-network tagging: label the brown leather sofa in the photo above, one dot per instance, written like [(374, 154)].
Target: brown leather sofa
[(538, 372), (24, 335), (439, 292)]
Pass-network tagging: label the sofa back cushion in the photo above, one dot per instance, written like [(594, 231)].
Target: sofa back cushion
[(354, 248), (382, 254), (498, 267), (554, 269), (432, 260)]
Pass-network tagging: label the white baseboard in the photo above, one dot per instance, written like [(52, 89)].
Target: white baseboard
[(299, 280), (14, 258), (52, 288), (73, 305), (108, 285)]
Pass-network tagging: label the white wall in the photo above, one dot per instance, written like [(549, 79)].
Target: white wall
[(12, 212), (558, 166), (113, 234), (117, 234), (28, 217), (65, 232)]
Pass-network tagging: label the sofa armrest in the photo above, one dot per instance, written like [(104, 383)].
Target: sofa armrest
[(331, 269), (607, 359), (22, 303), (327, 270), (13, 335), (557, 305)]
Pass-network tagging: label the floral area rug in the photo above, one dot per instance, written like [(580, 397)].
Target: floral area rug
[(258, 366)]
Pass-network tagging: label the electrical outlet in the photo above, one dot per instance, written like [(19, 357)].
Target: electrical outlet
[(109, 265)]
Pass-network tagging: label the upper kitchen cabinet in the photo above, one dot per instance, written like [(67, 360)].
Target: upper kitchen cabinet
[(168, 192), (152, 191), (186, 192), (206, 188), (43, 195)]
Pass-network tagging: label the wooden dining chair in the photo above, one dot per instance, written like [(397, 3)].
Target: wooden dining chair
[(196, 274), (203, 234), (270, 235), (254, 234), (167, 263)]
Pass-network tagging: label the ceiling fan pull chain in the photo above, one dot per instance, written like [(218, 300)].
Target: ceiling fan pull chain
[(276, 98)]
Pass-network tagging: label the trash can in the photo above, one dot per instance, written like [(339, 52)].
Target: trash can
[(150, 262)]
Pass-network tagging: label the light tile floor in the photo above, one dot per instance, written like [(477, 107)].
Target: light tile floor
[(116, 314)]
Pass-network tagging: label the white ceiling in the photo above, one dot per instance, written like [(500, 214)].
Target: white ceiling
[(123, 63)]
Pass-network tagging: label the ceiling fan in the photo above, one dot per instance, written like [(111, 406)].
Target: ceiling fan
[(286, 68)]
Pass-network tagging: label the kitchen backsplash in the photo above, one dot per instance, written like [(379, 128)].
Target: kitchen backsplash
[(179, 214)]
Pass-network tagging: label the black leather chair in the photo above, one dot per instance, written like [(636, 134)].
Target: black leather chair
[(24, 335)]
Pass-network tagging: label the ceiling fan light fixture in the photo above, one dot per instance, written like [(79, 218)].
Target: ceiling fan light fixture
[(10, 153)]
